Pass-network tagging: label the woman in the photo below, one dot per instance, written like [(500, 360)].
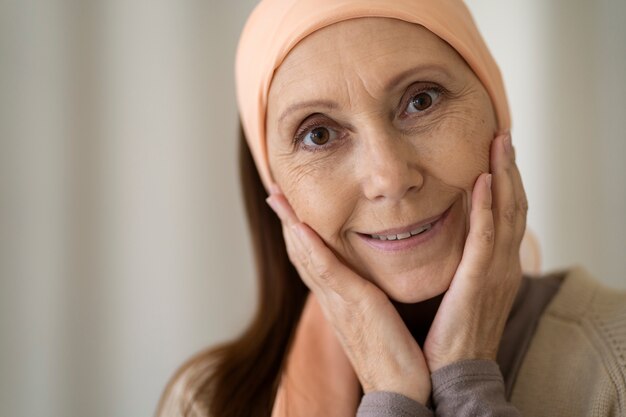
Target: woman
[(381, 132)]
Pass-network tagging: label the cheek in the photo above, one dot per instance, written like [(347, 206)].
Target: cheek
[(463, 139), (312, 190)]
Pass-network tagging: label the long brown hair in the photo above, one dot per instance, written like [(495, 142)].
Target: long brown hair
[(240, 378)]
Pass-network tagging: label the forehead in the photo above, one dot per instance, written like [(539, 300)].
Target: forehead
[(370, 50)]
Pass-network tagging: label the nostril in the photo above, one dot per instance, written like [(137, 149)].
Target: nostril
[(389, 170), (394, 191)]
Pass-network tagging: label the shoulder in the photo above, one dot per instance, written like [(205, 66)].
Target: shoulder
[(586, 306), (596, 308), (187, 394), (575, 364)]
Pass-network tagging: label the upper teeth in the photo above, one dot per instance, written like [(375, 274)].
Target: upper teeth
[(405, 235)]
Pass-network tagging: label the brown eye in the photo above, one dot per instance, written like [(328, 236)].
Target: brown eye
[(316, 137), (319, 136), (422, 101)]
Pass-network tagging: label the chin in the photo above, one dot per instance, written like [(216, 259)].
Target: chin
[(416, 268), (420, 284)]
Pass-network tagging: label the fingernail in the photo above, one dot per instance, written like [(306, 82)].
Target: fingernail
[(508, 147), (488, 179), (270, 202)]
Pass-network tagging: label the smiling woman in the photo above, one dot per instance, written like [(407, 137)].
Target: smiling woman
[(389, 268), (401, 136)]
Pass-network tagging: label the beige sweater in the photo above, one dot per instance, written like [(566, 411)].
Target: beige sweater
[(575, 366), (576, 363)]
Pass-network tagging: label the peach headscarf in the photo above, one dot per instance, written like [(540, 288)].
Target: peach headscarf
[(276, 26)]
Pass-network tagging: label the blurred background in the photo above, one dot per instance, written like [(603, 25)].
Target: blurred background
[(123, 245)]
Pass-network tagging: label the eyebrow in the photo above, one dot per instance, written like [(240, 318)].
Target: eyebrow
[(327, 104), (331, 105), (397, 79)]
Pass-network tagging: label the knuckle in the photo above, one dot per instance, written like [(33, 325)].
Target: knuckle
[(306, 255), (523, 205), (301, 257), (305, 261), (509, 214), (324, 274), (487, 235), (523, 213), (324, 270)]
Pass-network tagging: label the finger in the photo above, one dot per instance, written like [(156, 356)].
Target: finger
[(296, 254), (293, 247), (504, 199), (514, 212), (522, 202), (323, 268), (509, 219), (315, 262), (479, 245), (520, 196), (280, 205), (274, 189), (300, 258)]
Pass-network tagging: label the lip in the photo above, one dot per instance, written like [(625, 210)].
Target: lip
[(438, 222), (408, 228)]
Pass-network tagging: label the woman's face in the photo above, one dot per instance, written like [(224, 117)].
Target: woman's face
[(378, 127)]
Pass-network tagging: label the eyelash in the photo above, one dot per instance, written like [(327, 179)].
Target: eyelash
[(440, 91), (306, 128)]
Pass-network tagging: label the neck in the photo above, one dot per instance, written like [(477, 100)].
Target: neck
[(418, 317)]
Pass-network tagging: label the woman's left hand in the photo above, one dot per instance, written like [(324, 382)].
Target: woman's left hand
[(471, 318)]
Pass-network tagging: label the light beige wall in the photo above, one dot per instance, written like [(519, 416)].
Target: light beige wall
[(564, 63), (123, 247)]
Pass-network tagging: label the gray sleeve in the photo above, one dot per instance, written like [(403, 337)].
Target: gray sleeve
[(471, 388), (464, 388), (391, 404)]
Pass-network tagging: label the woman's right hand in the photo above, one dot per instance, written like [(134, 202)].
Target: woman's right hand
[(384, 355)]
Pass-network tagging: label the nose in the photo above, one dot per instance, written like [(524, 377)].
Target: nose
[(390, 167)]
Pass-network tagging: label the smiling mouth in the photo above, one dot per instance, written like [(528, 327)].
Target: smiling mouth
[(407, 232), (405, 235), (402, 239)]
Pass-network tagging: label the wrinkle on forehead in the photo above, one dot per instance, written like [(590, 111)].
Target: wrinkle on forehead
[(331, 62)]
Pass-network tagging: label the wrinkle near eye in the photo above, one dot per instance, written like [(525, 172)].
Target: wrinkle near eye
[(297, 172)]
